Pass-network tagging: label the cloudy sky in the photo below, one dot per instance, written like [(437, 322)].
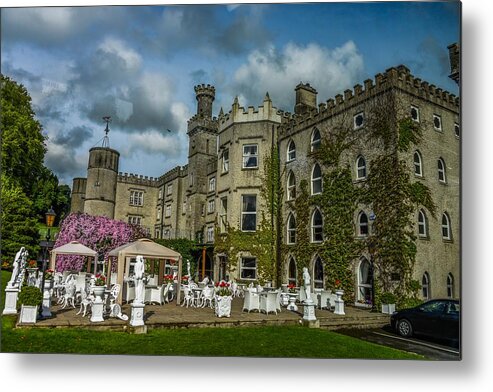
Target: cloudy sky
[(139, 65)]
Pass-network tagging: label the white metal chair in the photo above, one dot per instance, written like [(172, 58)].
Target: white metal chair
[(207, 296), (187, 296), (269, 302), (68, 297), (324, 298), (86, 301), (129, 291), (252, 301)]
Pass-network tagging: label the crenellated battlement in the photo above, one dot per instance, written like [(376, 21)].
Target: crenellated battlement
[(203, 123), (398, 77), (137, 179), (238, 114), (170, 175), (205, 89)]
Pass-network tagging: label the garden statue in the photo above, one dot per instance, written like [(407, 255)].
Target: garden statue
[(139, 280), (16, 267), (307, 283), (188, 270)]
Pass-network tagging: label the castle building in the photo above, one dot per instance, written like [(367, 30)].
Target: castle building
[(221, 186)]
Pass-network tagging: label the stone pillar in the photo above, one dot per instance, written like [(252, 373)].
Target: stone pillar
[(137, 314), (11, 294), (339, 303)]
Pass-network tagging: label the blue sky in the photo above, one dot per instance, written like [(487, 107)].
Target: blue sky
[(139, 64)]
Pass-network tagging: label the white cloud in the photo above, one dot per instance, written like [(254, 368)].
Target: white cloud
[(154, 142), (328, 71), (117, 47)]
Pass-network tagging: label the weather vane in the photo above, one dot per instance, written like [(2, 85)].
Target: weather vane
[(106, 139)]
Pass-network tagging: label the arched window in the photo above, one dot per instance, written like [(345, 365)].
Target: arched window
[(363, 224), (446, 232), (360, 168), (425, 286), (316, 140), (318, 273), (364, 281), (450, 286), (422, 224), (316, 179), (291, 153), (317, 226), (291, 234), (292, 273), (418, 164), (291, 186), (441, 170)]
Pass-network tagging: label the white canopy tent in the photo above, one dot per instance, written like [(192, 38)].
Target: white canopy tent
[(74, 248), (148, 249)]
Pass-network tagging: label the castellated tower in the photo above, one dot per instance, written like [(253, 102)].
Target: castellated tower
[(306, 98), (202, 133), (78, 194), (102, 174)]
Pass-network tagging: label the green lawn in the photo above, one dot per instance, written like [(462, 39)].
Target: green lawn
[(292, 341)]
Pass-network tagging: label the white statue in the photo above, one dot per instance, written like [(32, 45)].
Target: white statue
[(306, 282), (16, 267), (139, 280), (188, 270)]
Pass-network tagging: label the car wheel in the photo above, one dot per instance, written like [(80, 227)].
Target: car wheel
[(405, 328)]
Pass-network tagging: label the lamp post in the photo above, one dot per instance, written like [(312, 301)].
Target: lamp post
[(371, 250), (50, 219)]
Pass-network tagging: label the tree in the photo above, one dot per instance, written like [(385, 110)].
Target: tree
[(18, 221), (23, 144), (96, 232)]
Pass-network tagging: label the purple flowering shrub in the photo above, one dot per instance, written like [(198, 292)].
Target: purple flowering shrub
[(96, 232)]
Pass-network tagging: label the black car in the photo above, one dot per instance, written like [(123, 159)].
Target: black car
[(438, 318)]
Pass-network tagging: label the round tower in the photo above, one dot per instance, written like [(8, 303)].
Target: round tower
[(102, 174), (205, 95), (78, 195)]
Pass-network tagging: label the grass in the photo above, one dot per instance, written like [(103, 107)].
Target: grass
[(288, 342)]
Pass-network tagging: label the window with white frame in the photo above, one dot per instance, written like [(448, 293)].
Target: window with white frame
[(167, 233), (446, 232), (136, 198), (291, 154), (316, 179), (457, 130), (248, 268), (210, 234), (212, 184), (211, 206), (249, 213), (422, 224), (317, 226), (160, 193), (441, 171), (363, 224), (158, 214), (169, 189), (360, 168), (414, 113), (250, 156), (134, 219), (292, 272), (358, 120), (425, 286), (291, 229), (450, 285), (156, 233), (223, 215), (291, 186), (318, 273), (437, 122), (418, 164), (167, 212), (225, 165), (316, 140)]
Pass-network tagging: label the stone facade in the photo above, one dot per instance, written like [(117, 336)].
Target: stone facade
[(221, 183)]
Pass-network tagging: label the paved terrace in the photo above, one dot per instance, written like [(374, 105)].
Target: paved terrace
[(172, 316)]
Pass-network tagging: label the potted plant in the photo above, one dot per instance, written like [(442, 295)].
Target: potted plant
[(224, 296), (99, 287), (168, 279), (30, 298), (388, 302)]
